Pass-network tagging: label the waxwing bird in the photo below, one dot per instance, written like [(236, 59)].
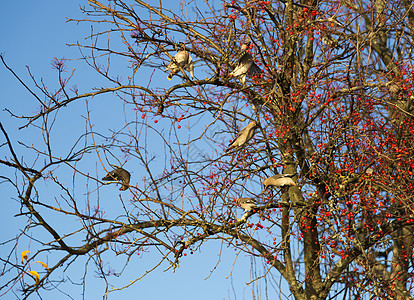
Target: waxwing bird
[(244, 136), (121, 175), (330, 41), (245, 65), (279, 180), (369, 171), (247, 204), (182, 60)]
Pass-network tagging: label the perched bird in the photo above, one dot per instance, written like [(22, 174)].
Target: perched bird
[(119, 174), (245, 65), (181, 60), (244, 136), (279, 180), (329, 40), (369, 171), (246, 203), (332, 42)]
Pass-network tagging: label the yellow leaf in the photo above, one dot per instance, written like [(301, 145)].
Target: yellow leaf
[(35, 274), (24, 255), (43, 264)]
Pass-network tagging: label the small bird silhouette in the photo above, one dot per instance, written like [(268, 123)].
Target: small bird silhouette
[(245, 65), (181, 60), (247, 204), (279, 180), (244, 136), (119, 174), (332, 42)]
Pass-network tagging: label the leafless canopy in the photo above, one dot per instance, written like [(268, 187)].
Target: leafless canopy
[(333, 103)]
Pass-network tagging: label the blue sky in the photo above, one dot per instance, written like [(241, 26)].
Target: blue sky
[(32, 34)]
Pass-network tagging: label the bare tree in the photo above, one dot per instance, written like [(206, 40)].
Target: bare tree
[(329, 86)]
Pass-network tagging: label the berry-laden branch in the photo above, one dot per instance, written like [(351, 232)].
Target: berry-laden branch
[(282, 130)]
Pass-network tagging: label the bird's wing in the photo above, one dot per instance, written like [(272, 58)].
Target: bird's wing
[(240, 134), (242, 65), (245, 59), (180, 58), (277, 176), (190, 66), (243, 136), (250, 134), (125, 176), (289, 175), (254, 69), (248, 200)]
